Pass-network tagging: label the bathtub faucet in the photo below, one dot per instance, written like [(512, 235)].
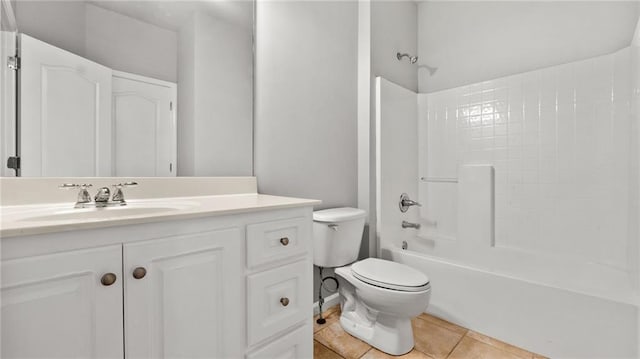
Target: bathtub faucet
[(406, 202), (406, 224)]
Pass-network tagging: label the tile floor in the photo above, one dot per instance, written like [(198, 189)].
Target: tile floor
[(434, 338)]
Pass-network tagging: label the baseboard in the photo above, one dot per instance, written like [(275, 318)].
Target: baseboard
[(329, 302)]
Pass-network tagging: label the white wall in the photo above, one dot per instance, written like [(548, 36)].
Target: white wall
[(186, 100), (224, 98), (117, 41), (215, 103), (634, 178), (127, 44), (473, 41), (394, 29), (59, 23), (306, 101), (305, 116)]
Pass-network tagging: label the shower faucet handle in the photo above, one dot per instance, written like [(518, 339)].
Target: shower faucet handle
[(406, 202)]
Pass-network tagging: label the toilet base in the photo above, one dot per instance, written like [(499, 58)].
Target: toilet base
[(386, 333)]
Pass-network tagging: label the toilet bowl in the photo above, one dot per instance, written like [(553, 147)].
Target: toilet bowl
[(378, 298), (377, 307)]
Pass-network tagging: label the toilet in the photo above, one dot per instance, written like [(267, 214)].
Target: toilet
[(378, 297)]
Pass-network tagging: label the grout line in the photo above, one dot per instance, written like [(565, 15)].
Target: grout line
[(329, 349), (319, 330), (365, 353), (458, 343)]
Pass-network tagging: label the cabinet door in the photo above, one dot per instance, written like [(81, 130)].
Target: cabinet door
[(55, 306), (189, 299), (295, 345)]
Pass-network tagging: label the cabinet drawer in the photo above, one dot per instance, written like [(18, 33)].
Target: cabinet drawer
[(297, 344), (272, 241), (278, 299)]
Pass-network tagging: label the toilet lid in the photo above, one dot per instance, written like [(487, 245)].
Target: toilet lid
[(390, 275)]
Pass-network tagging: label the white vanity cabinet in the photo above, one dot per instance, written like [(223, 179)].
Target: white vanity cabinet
[(55, 306), (229, 286), (181, 296)]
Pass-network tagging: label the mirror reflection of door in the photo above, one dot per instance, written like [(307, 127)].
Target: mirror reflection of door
[(65, 112), (158, 52), (90, 120), (144, 125)]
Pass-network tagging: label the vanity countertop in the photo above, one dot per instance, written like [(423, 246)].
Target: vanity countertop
[(23, 220)]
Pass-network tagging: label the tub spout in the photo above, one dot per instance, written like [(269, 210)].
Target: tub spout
[(406, 224)]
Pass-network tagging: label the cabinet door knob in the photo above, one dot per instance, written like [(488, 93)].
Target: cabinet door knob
[(284, 241), (108, 279), (284, 301), (139, 273)]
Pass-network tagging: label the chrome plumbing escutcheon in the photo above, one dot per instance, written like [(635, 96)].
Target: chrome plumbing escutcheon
[(406, 202)]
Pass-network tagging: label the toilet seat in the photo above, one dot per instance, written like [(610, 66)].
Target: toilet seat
[(390, 275)]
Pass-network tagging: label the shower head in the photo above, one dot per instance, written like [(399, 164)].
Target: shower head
[(412, 59)]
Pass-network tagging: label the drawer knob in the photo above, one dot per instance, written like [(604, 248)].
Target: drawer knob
[(284, 301), (139, 273), (108, 279), (284, 241)]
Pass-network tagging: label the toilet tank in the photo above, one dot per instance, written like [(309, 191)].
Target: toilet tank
[(337, 233)]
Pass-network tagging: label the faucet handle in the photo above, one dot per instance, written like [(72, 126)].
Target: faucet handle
[(118, 195), (125, 184), (74, 185), (83, 195), (406, 202)]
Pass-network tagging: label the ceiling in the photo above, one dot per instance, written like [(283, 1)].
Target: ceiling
[(173, 14)]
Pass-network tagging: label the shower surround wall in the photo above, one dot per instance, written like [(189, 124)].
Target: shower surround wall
[(549, 160), (559, 139)]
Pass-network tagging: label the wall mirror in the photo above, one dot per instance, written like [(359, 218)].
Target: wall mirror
[(127, 88)]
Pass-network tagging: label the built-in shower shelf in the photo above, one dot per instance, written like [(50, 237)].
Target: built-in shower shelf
[(439, 179)]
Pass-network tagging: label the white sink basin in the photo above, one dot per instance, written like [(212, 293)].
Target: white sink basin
[(60, 213), (99, 213)]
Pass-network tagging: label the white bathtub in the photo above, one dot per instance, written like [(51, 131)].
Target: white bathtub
[(543, 318)]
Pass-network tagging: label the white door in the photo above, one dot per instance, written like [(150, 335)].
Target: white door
[(56, 306), (65, 112), (184, 296), (144, 126)]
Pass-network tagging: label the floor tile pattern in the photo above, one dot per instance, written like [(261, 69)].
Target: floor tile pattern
[(435, 339)]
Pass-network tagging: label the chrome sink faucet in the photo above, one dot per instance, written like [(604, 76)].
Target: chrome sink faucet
[(102, 196), (101, 199)]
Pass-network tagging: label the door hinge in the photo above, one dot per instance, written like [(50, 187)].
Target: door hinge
[(171, 106), (13, 62), (13, 162)]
